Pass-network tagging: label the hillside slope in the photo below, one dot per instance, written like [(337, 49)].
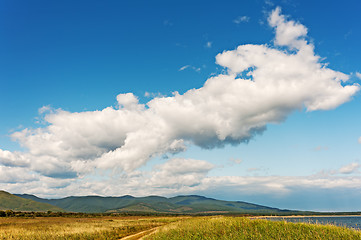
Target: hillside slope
[(155, 204), (11, 202)]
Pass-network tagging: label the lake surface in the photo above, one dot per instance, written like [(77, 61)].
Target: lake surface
[(344, 221)]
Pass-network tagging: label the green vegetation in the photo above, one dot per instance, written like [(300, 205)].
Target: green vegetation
[(12, 202), (77, 228), (244, 228), (154, 204)]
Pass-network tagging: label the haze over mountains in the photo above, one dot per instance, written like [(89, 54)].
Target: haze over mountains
[(191, 204)]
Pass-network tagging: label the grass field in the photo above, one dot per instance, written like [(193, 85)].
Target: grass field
[(77, 228), (245, 228), (219, 227)]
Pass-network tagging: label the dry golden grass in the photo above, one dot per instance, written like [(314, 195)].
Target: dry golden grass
[(217, 227), (77, 228)]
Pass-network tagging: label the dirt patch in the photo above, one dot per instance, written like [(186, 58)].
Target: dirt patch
[(140, 235)]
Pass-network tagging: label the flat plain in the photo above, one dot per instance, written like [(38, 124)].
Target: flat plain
[(78, 228), (138, 227)]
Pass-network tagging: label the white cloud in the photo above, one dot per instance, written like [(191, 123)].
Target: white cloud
[(241, 19), (13, 159), (184, 67), (189, 67), (187, 176), (208, 45), (358, 75), (15, 175), (297, 77), (175, 175), (129, 101), (288, 33), (44, 109), (350, 168), (359, 140), (178, 173), (262, 85)]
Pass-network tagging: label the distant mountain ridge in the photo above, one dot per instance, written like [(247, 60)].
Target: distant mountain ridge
[(11, 202), (188, 204)]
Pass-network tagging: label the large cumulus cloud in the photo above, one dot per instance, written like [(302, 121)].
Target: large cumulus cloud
[(263, 84)]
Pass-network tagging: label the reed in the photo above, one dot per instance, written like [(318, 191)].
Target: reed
[(245, 228)]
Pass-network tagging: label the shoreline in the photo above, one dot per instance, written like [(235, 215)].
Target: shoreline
[(303, 216)]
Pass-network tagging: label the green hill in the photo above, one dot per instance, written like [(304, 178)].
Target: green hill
[(11, 202), (86, 204), (200, 203), (196, 205), (155, 204)]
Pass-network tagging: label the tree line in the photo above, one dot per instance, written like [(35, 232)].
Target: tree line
[(33, 214)]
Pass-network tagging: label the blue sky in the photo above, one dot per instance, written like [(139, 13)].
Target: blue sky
[(68, 126)]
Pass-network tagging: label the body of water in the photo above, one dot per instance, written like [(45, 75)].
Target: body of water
[(343, 221)]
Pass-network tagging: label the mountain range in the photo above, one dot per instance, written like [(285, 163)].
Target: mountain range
[(190, 204), (11, 202)]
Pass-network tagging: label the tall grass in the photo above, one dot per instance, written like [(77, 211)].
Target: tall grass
[(77, 228), (244, 228), (169, 228)]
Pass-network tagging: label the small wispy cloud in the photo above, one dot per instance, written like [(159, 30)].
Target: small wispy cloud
[(208, 45), (358, 75), (235, 160), (320, 148), (184, 67), (347, 34), (167, 23), (258, 170), (268, 2), (359, 140), (197, 69), (42, 112), (241, 19), (351, 168), (154, 95), (44, 109)]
